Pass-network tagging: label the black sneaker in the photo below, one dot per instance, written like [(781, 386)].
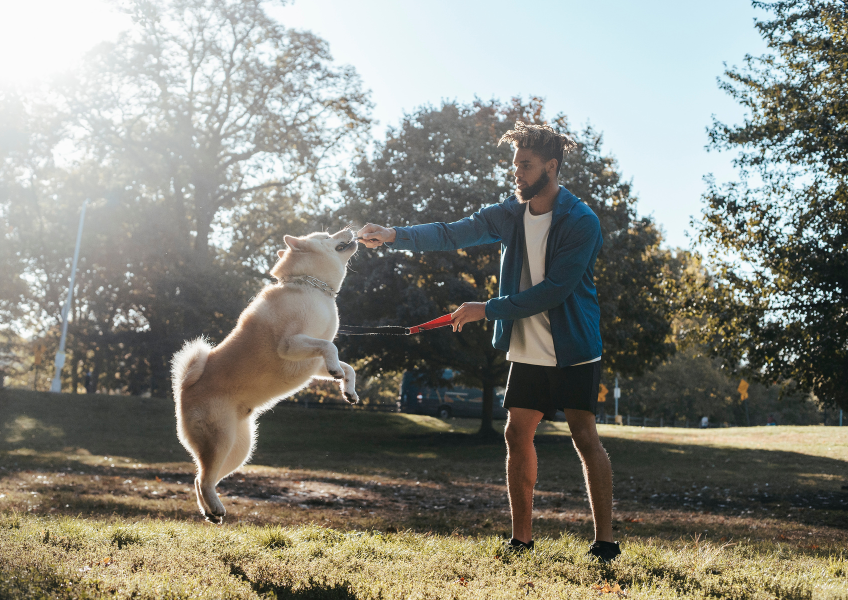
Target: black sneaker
[(605, 552), (515, 547)]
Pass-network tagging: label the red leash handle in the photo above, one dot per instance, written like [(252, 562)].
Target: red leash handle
[(434, 324)]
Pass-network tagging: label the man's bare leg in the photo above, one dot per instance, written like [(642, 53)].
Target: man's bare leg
[(597, 470), (521, 468)]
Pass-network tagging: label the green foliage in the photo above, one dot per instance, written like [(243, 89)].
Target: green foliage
[(779, 235), (691, 385)]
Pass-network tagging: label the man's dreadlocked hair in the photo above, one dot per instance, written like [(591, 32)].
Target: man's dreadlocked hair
[(541, 139)]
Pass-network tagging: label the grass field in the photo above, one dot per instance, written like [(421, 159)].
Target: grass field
[(96, 501)]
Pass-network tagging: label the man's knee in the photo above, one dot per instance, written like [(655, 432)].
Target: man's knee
[(584, 434), (518, 437), (514, 436), (586, 441)]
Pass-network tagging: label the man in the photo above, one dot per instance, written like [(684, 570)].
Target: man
[(547, 317)]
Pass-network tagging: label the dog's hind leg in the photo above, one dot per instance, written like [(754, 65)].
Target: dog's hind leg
[(201, 503), (212, 440), (347, 383), (242, 448)]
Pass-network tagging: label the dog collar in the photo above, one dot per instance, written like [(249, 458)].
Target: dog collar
[(314, 282)]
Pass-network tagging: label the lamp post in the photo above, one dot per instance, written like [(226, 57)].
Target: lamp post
[(616, 394), (60, 354)]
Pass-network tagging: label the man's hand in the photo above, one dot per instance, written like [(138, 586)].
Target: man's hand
[(373, 235), (468, 313)]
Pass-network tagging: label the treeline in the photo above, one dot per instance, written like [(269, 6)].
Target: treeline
[(208, 131)]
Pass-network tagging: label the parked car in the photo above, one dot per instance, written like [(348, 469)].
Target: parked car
[(444, 401)]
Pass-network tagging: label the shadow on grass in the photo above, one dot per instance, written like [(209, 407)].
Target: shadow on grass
[(314, 592), (142, 428), (345, 447), (127, 508), (311, 589)]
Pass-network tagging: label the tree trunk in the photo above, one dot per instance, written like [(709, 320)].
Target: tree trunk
[(201, 241), (159, 377), (204, 213), (95, 373), (74, 372), (486, 428)]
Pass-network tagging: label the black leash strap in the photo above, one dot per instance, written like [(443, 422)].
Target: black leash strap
[(386, 330)]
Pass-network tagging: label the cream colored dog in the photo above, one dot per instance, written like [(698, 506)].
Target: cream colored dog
[(281, 341)]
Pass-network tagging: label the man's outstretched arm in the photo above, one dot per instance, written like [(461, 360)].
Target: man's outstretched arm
[(373, 235), (483, 227)]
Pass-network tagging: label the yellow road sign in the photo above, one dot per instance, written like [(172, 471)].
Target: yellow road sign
[(743, 389)]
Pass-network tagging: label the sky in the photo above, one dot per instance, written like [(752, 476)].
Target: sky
[(642, 73)]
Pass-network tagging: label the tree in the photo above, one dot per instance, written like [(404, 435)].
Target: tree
[(691, 385), (442, 164), (211, 102), (778, 236), (30, 130), (204, 115)]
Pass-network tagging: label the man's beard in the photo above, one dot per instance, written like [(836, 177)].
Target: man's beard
[(533, 189)]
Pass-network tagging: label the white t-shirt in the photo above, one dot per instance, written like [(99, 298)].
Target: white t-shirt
[(531, 341)]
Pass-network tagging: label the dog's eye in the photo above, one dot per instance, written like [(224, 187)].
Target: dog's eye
[(341, 247)]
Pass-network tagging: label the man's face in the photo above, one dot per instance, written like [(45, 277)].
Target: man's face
[(531, 176)]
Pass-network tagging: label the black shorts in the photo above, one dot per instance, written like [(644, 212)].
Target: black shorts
[(549, 389)]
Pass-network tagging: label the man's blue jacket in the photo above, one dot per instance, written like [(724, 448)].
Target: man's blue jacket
[(568, 291)]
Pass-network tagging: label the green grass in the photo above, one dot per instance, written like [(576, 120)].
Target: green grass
[(95, 501), (75, 557)]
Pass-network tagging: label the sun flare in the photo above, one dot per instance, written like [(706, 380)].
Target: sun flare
[(39, 38)]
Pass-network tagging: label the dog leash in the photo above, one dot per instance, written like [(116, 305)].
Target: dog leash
[(442, 321), (394, 329)]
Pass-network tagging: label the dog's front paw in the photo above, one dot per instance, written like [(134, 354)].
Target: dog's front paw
[(216, 519), (352, 398)]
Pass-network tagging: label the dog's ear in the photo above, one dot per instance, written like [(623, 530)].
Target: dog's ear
[(296, 244)]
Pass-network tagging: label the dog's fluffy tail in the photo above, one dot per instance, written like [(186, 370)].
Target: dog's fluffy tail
[(188, 364)]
